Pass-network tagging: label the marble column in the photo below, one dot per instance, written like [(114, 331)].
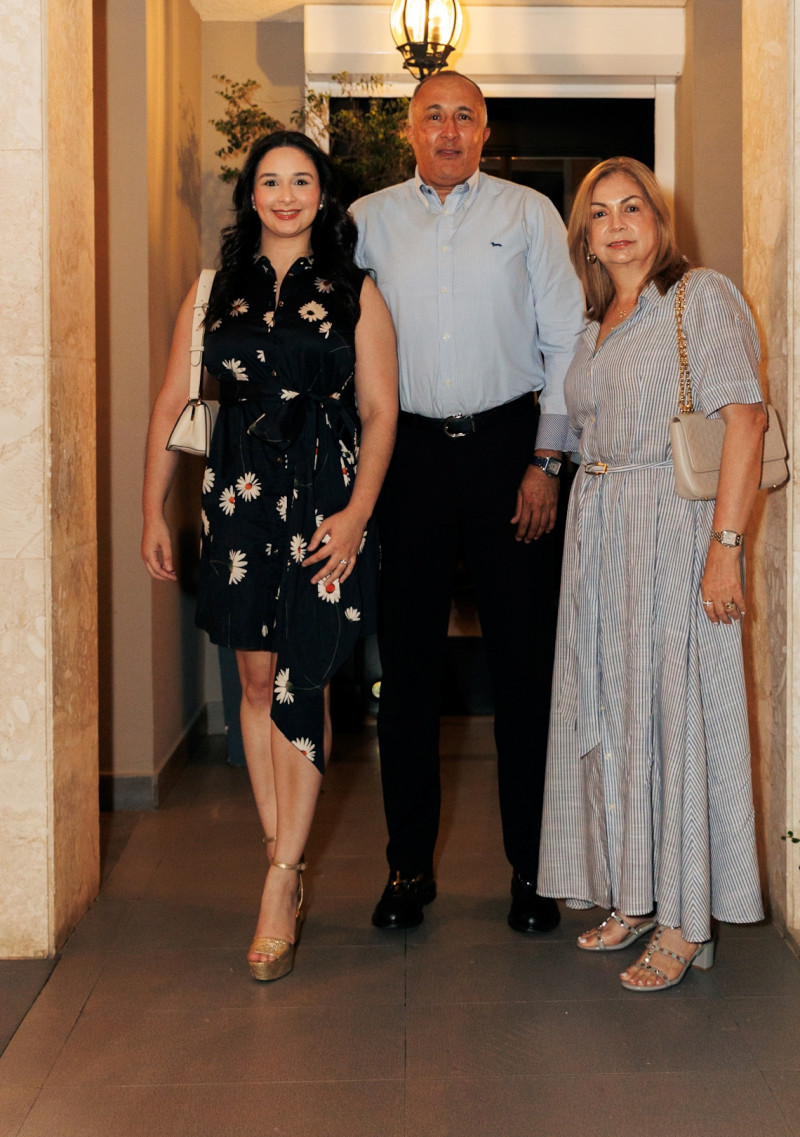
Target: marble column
[(771, 161), (48, 622)]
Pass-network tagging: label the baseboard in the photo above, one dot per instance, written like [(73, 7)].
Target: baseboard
[(125, 793)]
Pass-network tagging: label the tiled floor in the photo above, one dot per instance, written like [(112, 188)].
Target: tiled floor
[(151, 1026)]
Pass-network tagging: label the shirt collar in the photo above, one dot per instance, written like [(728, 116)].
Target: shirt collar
[(459, 197)]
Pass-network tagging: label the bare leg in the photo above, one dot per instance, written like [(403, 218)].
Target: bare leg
[(257, 675), (297, 784)]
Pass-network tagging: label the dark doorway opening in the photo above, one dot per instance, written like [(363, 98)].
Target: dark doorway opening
[(550, 144)]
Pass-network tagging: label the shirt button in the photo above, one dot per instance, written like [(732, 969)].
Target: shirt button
[(280, 303), (446, 336), (274, 373), (444, 291), (444, 248), (447, 383)]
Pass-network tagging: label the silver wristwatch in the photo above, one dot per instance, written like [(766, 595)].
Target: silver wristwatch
[(727, 537), (551, 466)]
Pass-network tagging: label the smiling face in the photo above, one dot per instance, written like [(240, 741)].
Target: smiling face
[(286, 195), (447, 130), (623, 229)]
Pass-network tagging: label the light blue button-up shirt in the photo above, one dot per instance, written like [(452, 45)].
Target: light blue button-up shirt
[(484, 299)]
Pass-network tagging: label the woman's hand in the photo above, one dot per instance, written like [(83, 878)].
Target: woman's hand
[(157, 550), (160, 463), (721, 586), (335, 544)]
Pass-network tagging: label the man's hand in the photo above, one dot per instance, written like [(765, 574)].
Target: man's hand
[(537, 502)]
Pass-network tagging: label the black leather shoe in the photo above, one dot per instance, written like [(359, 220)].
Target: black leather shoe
[(530, 912), (402, 901)]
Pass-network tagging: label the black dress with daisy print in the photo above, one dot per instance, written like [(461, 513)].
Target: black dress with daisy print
[(283, 457)]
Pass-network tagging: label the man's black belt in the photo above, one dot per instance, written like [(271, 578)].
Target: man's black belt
[(460, 426)]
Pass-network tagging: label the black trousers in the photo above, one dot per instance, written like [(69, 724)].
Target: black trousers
[(443, 496)]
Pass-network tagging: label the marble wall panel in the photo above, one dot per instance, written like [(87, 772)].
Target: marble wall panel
[(22, 456), (22, 300), (20, 76), (24, 710), (24, 860), (74, 644), (72, 309), (76, 829), (69, 30), (73, 459), (765, 115), (71, 181)]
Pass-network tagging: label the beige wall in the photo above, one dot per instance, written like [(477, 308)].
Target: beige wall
[(271, 52), (149, 239), (708, 199), (48, 629)]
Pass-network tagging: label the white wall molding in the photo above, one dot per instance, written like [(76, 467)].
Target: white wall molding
[(528, 45)]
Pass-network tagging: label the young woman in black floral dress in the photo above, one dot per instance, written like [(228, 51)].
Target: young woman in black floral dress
[(303, 347)]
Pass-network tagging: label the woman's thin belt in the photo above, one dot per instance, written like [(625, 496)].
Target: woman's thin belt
[(599, 468)]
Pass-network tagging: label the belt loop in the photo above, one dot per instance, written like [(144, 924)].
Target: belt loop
[(595, 467)]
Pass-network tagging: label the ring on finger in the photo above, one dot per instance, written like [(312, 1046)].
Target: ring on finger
[(344, 562), (729, 606), (708, 603)]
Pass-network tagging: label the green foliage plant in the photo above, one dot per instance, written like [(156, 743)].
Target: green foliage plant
[(790, 837), (242, 124), (367, 142)]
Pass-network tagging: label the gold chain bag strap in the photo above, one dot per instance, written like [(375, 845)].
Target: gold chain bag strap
[(192, 432), (697, 440)]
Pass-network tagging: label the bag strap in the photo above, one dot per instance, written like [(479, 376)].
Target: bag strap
[(198, 332), (685, 404)]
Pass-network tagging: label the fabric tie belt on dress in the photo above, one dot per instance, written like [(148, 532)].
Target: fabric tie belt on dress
[(600, 468), (462, 425), (282, 416)]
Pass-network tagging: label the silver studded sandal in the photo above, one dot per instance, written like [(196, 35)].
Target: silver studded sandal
[(635, 932), (702, 958)]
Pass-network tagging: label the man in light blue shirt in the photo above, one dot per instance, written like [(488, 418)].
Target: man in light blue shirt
[(487, 309)]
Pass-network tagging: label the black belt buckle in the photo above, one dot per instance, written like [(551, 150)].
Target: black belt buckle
[(458, 420)]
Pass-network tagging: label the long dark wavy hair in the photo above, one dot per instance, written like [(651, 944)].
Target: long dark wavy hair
[(669, 264), (333, 234)]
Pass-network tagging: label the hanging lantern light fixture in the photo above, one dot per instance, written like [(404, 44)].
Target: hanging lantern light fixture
[(425, 31)]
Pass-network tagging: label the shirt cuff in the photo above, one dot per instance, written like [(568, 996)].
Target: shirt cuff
[(555, 433)]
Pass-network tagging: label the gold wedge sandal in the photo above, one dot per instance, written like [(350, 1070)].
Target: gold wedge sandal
[(282, 951)]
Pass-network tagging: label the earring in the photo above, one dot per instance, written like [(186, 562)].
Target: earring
[(252, 202), (591, 258), (319, 207)]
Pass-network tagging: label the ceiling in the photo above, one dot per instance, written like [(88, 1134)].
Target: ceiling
[(249, 10)]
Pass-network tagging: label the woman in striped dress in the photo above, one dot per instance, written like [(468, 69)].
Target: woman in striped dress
[(648, 807)]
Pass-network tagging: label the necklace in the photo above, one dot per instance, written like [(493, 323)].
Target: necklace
[(622, 314)]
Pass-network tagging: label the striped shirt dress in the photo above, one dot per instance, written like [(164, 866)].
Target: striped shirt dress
[(648, 799)]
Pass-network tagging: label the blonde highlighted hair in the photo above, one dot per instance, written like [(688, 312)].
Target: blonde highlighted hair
[(669, 264)]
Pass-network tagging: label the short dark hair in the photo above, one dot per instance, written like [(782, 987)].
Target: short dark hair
[(445, 74), (669, 264)]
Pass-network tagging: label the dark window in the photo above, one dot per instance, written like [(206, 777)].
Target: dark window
[(549, 144)]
